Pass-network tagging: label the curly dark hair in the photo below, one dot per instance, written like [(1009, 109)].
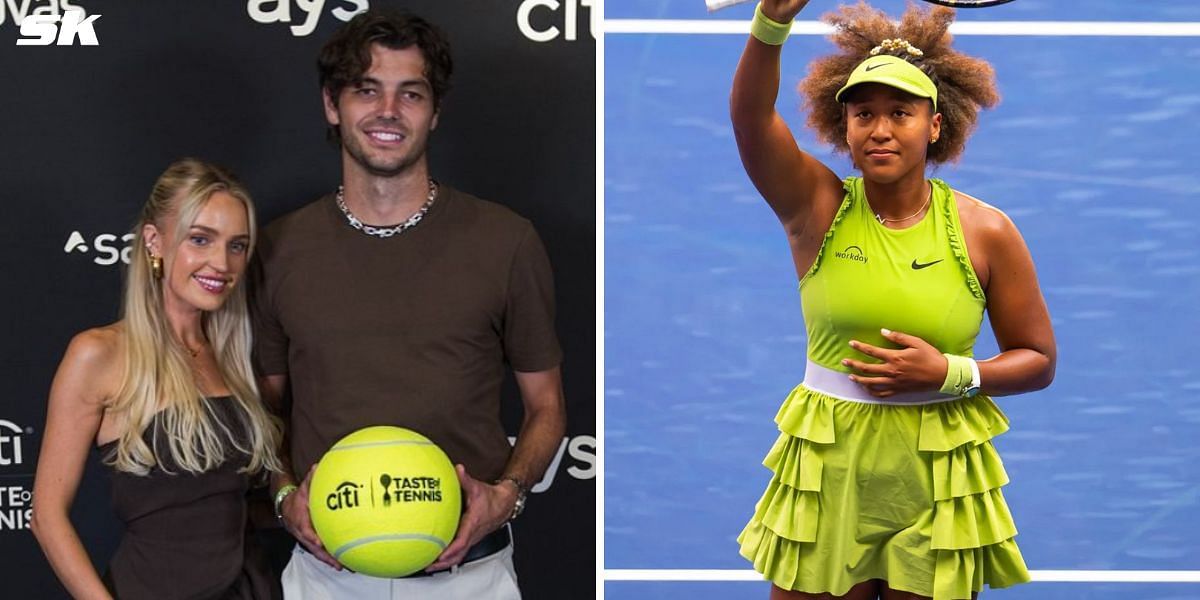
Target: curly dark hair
[(346, 56), (965, 84)]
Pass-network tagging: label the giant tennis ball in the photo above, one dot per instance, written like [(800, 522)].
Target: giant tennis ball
[(385, 501)]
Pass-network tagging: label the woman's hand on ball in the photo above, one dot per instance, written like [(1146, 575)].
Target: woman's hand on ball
[(488, 507), (299, 523)]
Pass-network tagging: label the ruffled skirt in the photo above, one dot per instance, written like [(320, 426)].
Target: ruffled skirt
[(905, 493)]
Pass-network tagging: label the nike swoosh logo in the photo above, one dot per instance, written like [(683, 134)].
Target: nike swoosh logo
[(876, 66), (918, 266)]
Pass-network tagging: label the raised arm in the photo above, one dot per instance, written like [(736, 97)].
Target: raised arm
[(73, 418), (802, 191)]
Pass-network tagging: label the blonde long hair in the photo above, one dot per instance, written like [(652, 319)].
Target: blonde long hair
[(158, 381)]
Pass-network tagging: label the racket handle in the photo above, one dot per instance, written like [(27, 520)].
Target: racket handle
[(715, 5)]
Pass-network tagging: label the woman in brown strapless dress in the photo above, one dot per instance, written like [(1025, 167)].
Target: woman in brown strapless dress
[(185, 534), (168, 395)]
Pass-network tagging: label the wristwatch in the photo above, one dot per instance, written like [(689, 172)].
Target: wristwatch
[(973, 387), (522, 493)]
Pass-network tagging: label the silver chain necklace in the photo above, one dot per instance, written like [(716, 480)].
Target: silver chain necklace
[(387, 232)]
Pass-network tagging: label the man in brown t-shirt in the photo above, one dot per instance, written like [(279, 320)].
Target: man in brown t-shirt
[(410, 324)]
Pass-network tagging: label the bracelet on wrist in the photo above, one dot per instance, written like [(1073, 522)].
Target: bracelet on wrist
[(282, 495), (768, 31)]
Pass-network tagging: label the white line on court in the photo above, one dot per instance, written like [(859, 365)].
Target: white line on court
[(1026, 28), (1042, 576)]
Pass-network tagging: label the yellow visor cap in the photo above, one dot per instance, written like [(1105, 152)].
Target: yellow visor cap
[(892, 71)]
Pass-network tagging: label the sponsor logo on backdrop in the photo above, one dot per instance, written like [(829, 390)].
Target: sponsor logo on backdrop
[(16, 500), (537, 20), (63, 23), (302, 16), (105, 249), (581, 454), (49, 22), (11, 446), (16, 10), (548, 20), (16, 507)]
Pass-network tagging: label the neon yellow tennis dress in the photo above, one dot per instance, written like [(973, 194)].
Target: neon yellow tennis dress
[(907, 492)]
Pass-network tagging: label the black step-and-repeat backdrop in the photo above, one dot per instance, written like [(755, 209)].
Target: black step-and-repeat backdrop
[(94, 105)]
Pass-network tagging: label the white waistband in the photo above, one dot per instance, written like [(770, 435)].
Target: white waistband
[(838, 385)]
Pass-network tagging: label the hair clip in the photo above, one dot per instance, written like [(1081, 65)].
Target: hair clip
[(897, 44)]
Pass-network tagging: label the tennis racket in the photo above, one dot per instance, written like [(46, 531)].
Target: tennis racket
[(969, 3), (719, 4)]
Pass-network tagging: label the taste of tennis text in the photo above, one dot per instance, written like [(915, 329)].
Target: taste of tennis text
[(410, 489), (395, 489)]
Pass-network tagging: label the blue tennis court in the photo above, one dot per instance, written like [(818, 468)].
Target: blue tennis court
[(1093, 152)]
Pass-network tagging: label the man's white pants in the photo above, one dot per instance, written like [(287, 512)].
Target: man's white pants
[(489, 578)]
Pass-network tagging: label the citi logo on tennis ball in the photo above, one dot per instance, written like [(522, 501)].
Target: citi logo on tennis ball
[(345, 495), (385, 501)]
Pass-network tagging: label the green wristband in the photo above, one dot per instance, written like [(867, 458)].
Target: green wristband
[(767, 31), (958, 374)]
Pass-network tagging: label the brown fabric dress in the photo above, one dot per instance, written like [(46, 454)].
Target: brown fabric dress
[(186, 535)]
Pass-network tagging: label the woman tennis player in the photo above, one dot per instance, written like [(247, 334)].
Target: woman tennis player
[(886, 483)]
